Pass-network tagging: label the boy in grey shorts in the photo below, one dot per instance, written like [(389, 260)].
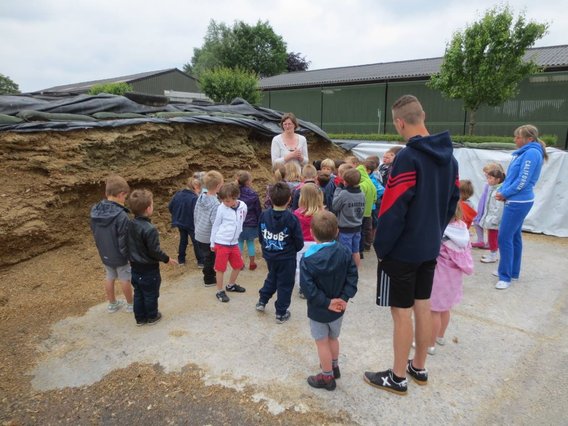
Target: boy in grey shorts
[(109, 223), (328, 279)]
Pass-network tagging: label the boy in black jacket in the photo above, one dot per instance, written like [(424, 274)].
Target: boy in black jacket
[(280, 237), (328, 278), (145, 254)]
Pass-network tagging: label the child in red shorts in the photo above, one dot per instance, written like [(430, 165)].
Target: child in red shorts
[(225, 233)]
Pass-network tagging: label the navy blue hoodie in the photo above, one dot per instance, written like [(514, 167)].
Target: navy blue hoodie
[(181, 207), (280, 234), (327, 271), (420, 199)]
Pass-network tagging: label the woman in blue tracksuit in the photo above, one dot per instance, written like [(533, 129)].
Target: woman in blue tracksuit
[(517, 193)]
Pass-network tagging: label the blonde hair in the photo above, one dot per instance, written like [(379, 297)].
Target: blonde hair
[(492, 166), (311, 199), (293, 171), (212, 180), (344, 167), (529, 132), (194, 183), (353, 160), (309, 172), (279, 172), (328, 162)]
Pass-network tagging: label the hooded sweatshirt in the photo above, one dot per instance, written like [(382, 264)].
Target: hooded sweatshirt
[(327, 271), (204, 215), (368, 189), (228, 224), (522, 174), (280, 235), (109, 223), (419, 200)]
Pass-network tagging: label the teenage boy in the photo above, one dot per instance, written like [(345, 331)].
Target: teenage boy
[(413, 215)]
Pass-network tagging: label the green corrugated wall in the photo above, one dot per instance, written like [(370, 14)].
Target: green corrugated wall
[(542, 101)]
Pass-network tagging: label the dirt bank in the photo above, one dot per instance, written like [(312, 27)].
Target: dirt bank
[(49, 268)]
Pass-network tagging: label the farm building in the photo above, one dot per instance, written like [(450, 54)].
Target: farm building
[(357, 99), (150, 83)]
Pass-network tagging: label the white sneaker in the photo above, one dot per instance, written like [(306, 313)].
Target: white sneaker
[(489, 258), (502, 285), (440, 341), (129, 308), (113, 307), (496, 274)]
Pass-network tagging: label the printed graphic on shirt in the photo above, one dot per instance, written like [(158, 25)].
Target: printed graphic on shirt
[(274, 242)]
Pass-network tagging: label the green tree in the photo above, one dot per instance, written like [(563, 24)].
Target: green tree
[(224, 84), (484, 64), (111, 88), (254, 48), (296, 62), (7, 86)]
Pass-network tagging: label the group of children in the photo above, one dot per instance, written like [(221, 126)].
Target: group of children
[(313, 231)]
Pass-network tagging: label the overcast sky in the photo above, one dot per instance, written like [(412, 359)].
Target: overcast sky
[(46, 43)]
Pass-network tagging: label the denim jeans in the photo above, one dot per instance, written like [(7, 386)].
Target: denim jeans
[(146, 292), (184, 236)]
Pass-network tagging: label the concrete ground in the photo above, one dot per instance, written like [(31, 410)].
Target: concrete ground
[(503, 363)]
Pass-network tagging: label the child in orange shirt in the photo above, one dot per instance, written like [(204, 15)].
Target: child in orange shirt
[(468, 212)]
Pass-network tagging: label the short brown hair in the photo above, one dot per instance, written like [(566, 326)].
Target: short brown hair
[(370, 164), (139, 201), (324, 226), (289, 116), (229, 190), (408, 109), (212, 180), (394, 150), (279, 194), (352, 177), (115, 185), (497, 174), (466, 189), (343, 167), (243, 177)]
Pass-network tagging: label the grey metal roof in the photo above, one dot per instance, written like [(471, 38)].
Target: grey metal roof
[(85, 86), (548, 57)]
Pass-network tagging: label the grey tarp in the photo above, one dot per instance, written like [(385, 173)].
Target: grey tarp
[(262, 120)]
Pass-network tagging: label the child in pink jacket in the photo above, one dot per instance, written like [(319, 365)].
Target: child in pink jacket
[(447, 290)]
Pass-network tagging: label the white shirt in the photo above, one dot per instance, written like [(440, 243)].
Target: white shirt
[(279, 150), (228, 224)]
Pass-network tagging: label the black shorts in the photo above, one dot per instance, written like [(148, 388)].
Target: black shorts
[(399, 284)]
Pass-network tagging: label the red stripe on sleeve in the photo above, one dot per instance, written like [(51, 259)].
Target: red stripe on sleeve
[(395, 188)]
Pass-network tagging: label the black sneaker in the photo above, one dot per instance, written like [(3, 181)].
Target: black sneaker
[(419, 376), (222, 296), (336, 372), (236, 288), (153, 321), (141, 323), (384, 380), (301, 294), (322, 382), (260, 307), (209, 283), (281, 319)]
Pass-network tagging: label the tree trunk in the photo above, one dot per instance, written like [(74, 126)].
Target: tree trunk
[(471, 121)]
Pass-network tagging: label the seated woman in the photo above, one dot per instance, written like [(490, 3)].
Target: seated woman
[(289, 146)]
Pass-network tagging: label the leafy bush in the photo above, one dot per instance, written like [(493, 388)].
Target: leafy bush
[(111, 89), (550, 140), (225, 84)]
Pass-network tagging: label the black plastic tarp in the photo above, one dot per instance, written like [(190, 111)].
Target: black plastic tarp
[(262, 120)]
